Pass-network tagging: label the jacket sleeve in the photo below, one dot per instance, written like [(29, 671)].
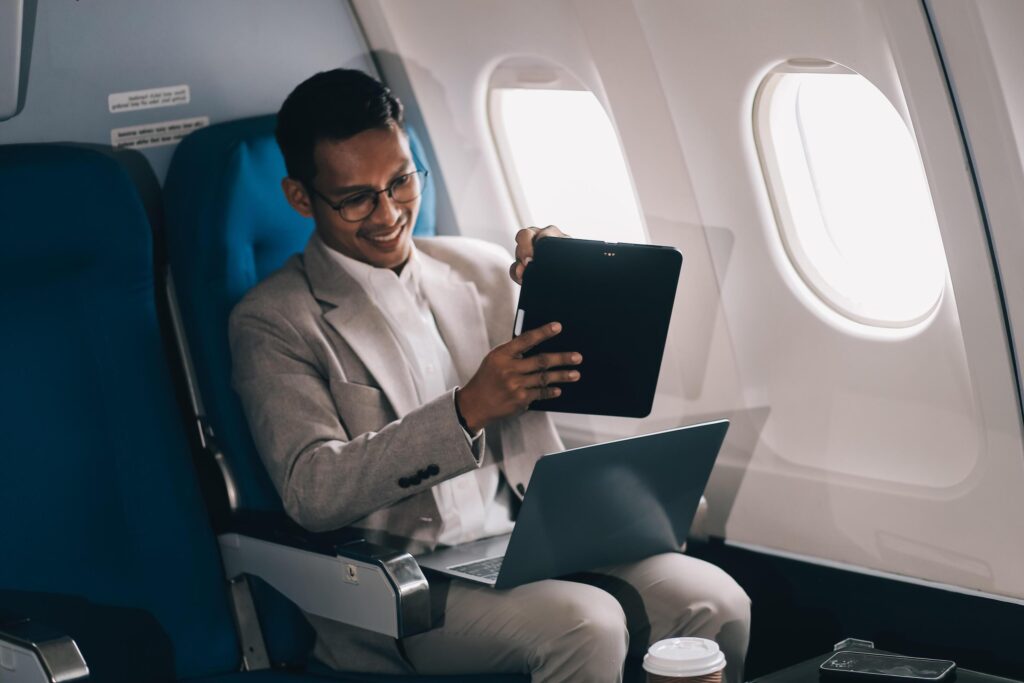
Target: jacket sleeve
[(328, 478)]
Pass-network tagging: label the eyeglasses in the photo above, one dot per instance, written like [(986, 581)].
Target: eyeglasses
[(361, 205)]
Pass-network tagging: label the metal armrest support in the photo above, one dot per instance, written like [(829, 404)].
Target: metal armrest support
[(356, 582), (33, 653)]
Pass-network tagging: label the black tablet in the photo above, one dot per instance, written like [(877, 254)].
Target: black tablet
[(614, 302)]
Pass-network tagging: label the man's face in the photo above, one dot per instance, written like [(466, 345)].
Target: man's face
[(371, 160)]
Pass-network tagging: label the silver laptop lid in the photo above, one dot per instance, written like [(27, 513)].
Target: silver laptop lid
[(611, 503)]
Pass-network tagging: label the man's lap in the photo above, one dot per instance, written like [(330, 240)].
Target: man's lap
[(507, 630)]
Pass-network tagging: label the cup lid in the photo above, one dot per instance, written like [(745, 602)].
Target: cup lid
[(684, 657)]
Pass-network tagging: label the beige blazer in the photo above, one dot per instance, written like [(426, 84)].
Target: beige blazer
[(333, 408)]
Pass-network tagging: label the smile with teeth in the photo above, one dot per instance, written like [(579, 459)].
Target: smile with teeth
[(386, 237)]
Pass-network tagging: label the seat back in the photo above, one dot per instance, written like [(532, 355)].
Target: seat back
[(227, 227), (104, 531)]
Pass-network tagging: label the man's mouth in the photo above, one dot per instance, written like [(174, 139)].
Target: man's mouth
[(385, 236)]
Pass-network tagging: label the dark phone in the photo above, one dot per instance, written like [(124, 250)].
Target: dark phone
[(873, 666)]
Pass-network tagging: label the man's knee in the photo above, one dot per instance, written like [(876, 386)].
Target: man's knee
[(586, 626), (733, 603)]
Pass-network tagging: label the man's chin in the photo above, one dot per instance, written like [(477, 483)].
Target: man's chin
[(390, 256)]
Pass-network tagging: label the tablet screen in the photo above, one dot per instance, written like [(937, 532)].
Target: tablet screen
[(614, 301)]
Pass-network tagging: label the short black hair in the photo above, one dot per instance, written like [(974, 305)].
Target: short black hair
[(331, 105)]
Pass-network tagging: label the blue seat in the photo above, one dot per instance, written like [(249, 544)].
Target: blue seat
[(105, 535), (228, 226)]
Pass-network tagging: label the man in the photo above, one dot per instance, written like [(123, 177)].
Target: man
[(383, 392)]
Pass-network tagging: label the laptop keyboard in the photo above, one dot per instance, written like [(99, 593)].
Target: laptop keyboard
[(485, 569)]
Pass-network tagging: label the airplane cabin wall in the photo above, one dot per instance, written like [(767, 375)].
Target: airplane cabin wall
[(890, 451), (240, 58), (980, 43)]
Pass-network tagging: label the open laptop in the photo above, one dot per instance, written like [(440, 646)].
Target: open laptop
[(595, 506)]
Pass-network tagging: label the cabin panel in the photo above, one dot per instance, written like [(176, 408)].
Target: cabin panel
[(239, 58), (895, 450), (984, 57)]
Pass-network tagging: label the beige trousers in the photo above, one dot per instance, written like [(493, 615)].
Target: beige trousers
[(581, 630)]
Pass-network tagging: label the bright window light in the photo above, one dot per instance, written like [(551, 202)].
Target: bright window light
[(564, 164), (855, 212)]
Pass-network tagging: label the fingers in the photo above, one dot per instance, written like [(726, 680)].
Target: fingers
[(543, 361), (549, 231), (524, 245), (528, 396), (543, 393), (525, 239), (548, 377), (515, 271), (527, 340)]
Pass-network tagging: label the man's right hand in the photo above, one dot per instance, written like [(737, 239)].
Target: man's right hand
[(506, 383)]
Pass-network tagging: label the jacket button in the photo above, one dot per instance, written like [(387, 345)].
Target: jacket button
[(415, 480), (423, 474), (433, 470), (521, 489), (403, 482)]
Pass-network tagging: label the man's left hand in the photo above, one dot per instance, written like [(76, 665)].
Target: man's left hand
[(525, 240)]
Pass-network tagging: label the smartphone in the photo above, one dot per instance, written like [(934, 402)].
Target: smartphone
[(872, 666)]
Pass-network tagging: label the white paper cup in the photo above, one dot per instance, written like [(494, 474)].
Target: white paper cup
[(693, 660)]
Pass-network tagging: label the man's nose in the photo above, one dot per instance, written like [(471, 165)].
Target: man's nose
[(386, 211)]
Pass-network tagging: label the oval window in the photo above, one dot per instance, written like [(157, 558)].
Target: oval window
[(850, 196), (563, 162)]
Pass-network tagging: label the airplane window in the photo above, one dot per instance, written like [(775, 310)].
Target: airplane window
[(563, 163), (850, 196)]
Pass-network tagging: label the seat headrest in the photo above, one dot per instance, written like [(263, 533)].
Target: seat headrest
[(84, 209)]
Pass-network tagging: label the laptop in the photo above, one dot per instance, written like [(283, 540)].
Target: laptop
[(595, 506), (614, 301)]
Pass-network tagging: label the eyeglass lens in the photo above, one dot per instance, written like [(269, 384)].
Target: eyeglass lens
[(402, 189)]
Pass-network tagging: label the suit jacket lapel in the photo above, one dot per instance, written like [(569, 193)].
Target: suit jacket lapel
[(361, 324), (458, 313)]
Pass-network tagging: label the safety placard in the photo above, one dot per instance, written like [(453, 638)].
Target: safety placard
[(135, 100), (156, 134)]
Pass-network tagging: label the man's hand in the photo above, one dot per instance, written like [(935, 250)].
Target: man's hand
[(525, 239), (506, 383)]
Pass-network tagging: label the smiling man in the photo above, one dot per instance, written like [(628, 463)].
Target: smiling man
[(383, 392)]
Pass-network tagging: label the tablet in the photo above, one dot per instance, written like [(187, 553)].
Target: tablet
[(614, 301)]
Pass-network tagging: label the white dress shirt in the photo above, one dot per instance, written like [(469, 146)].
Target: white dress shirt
[(473, 505)]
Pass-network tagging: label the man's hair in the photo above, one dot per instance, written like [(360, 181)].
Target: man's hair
[(332, 105)]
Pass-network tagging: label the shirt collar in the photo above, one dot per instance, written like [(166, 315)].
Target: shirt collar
[(365, 274)]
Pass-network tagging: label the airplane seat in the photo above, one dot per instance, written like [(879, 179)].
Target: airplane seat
[(227, 226), (105, 535)]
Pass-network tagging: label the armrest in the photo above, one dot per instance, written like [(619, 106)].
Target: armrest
[(339, 577), (33, 653)]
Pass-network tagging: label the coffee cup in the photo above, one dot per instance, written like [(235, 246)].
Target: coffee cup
[(684, 660)]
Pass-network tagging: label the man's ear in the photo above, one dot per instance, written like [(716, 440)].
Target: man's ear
[(295, 193)]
